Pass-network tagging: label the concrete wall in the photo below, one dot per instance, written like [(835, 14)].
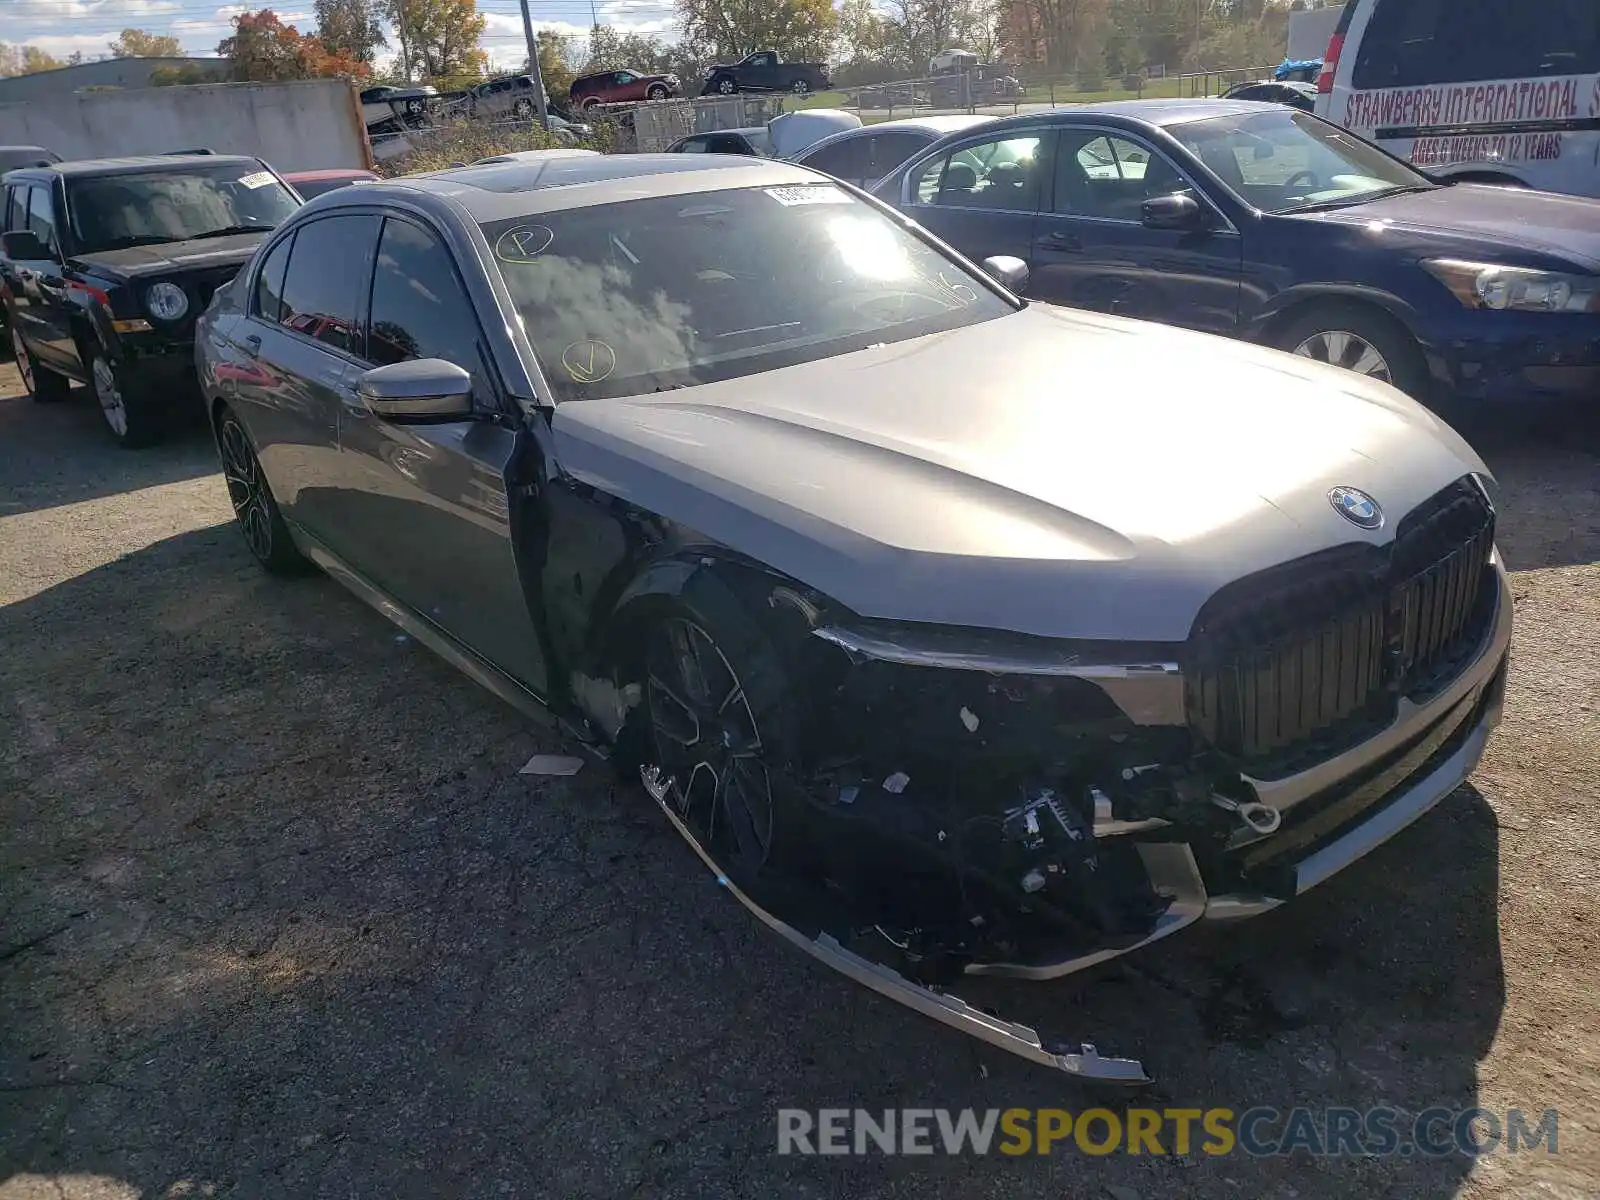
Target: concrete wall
[(302, 126), (1309, 31), (109, 72)]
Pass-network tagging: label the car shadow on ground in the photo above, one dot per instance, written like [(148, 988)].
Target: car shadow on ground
[(41, 477), (278, 915)]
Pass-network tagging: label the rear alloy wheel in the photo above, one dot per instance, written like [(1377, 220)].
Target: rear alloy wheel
[(45, 386), (132, 415), (1359, 340), (655, 92), (262, 524), (708, 711), (726, 86), (522, 109), (800, 87)]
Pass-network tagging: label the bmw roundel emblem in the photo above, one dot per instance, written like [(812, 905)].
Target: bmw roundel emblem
[(1356, 506)]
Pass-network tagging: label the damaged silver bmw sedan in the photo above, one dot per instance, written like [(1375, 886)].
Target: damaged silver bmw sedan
[(959, 636)]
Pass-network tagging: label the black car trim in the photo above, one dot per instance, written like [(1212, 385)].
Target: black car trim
[(1565, 125)]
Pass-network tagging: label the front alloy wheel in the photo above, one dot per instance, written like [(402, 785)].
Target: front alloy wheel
[(727, 86), (800, 88), (708, 745), (44, 386), (130, 414), (1341, 348)]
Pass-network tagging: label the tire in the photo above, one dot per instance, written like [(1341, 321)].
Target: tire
[(522, 109), (44, 385), (131, 412), (727, 85), (800, 87), (587, 104), (266, 535), (655, 92), (708, 746), (1350, 335)]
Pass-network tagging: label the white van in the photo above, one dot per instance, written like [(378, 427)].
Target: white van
[(1494, 91)]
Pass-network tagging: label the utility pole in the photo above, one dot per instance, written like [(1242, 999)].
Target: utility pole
[(535, 69)]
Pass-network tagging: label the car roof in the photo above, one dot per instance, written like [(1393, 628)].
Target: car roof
[(150, 162), (498, 191), (329, 173), (1161, 113), (938, 127)]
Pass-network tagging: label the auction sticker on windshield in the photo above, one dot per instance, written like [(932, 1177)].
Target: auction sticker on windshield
[(808, 193), (258, 179)]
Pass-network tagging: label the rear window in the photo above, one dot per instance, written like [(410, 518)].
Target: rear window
[(1414, 43)]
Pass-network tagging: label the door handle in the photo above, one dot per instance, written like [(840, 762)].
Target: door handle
[(252, 345), (1062, 240)]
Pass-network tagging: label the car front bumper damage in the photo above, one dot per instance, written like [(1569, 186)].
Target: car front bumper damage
[(1334, 813)]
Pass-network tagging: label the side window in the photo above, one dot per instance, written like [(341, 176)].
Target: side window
[(41, 216), (694, 145), (269, 283), (996, 175), (1098, 175), (1410, 43), (323, 284), (13, 215), (842, 159), (887, 151), (419, 307)]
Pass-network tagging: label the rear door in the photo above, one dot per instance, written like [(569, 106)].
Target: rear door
[(981, 195), (300, 351), (1091, 249), (422, 509), (844, 159), (886, 151)]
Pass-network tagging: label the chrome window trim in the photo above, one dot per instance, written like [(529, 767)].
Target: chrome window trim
[(1140, 140)]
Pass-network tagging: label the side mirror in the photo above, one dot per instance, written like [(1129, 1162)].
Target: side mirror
[(1176, 211), (23, 245), (418, 389), (1011, 272)]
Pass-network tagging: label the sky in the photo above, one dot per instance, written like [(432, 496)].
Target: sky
[(60, 27)]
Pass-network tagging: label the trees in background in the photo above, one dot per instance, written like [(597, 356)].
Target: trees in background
[(800, 30), (141, 43), (263, 49), (25, 60), (438, 38), (352, 28)]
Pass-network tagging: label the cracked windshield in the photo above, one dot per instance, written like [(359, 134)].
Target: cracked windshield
[(649, 295)]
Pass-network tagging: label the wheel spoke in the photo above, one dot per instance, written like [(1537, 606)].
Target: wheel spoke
[(686, 731), (1370, 362)]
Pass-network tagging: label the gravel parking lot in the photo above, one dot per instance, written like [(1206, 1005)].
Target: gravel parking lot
[(278, 915)]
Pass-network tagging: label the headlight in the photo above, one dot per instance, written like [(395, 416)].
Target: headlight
[(1487, 285), (166, 301)]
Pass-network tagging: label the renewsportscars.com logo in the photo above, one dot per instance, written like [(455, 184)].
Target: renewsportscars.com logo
[(1258, 1132)]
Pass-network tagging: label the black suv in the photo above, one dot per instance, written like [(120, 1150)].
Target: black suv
[(104, 267)]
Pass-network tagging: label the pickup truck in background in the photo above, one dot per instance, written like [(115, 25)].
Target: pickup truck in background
[(765, 71)]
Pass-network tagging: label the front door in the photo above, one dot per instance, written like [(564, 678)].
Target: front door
[(422, 510), (1092, 250), (982, 196), (39, 287), (297, 354)]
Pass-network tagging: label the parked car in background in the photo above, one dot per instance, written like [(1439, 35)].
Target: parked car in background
[(1495, 91), (622, 87), (311, 184), (106, 264), (793, 132), (765, 71), (753, 142), (513, 96), (892, 589), (12, 157), (864, 155), (1296, 95), (1263, 222)]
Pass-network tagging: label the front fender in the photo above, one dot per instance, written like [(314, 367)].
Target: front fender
[(1272, 313)]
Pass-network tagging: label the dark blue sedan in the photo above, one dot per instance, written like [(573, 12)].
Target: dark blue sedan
[(1263, 222)]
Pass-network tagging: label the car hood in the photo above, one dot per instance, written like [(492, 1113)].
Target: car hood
[(1566, 227), (136, 262), (1049, 472)]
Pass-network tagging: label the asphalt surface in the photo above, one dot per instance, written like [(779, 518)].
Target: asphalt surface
[(279, 916)]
